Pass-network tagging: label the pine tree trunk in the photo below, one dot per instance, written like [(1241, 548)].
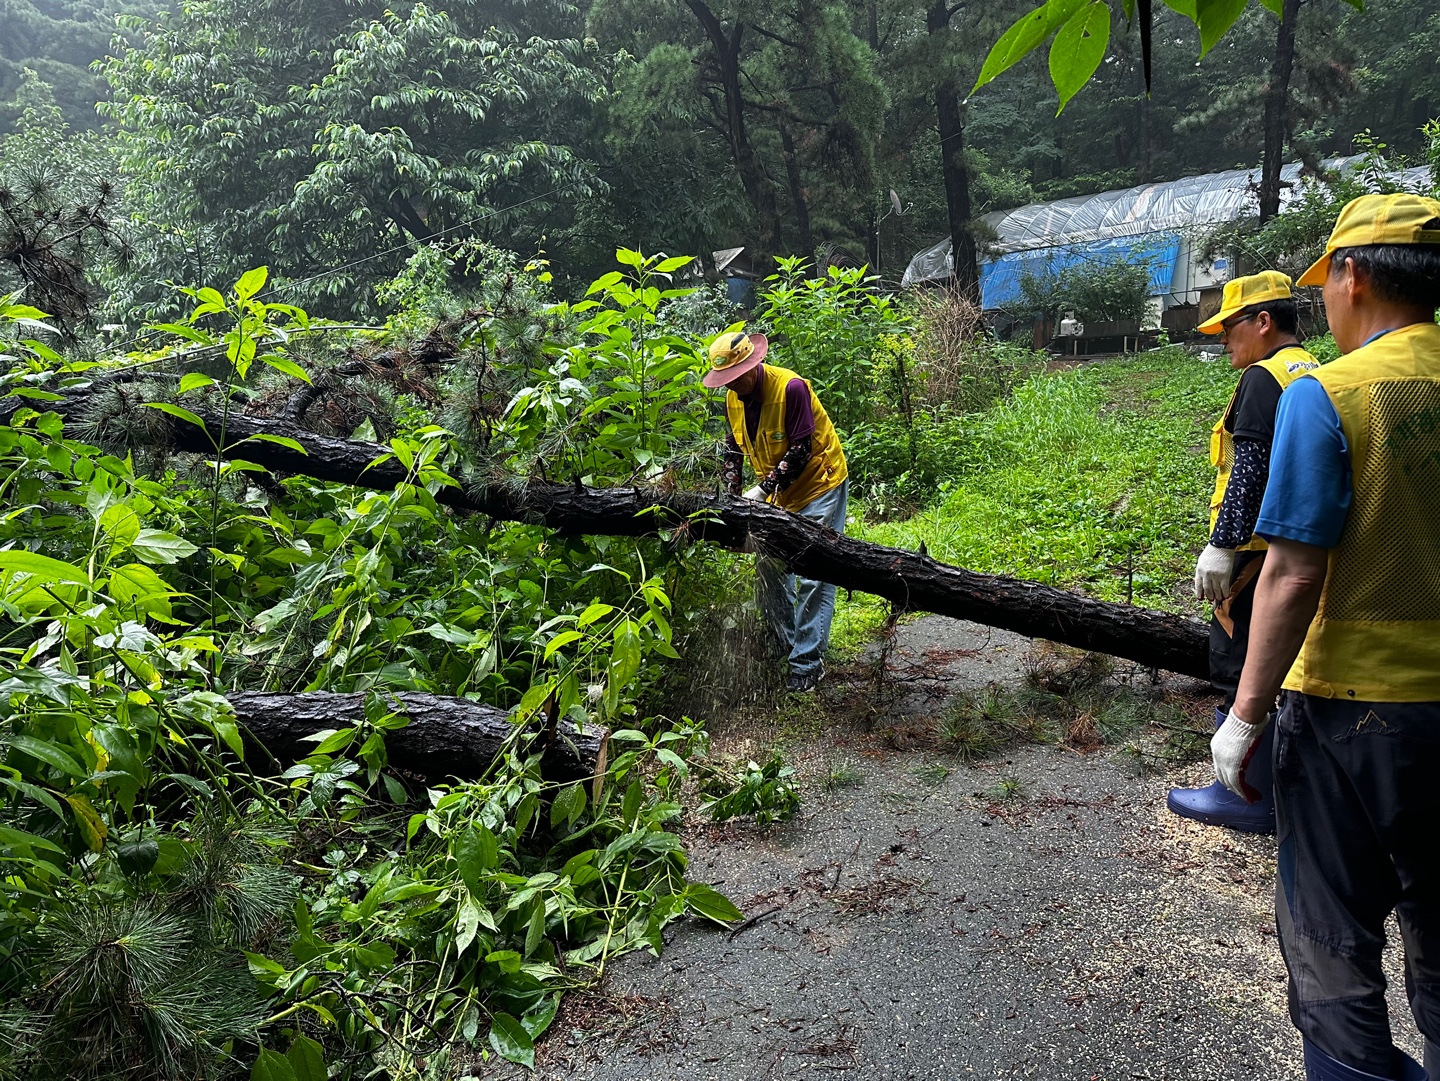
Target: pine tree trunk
[(951, 123), (446, 737), (758, 188), (1276, 117), (911, 580)]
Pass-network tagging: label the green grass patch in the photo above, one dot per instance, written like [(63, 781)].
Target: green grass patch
[(1081, 479)]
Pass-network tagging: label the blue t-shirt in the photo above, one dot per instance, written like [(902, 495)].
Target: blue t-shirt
[(1308, 495)]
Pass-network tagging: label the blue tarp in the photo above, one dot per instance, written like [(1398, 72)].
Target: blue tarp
[(1000, 278)]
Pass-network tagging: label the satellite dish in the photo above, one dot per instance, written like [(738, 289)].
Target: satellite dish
[(895, 202)]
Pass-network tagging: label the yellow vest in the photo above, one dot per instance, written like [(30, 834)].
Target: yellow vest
[(826, 469), (1286, 366), (1376, 636)]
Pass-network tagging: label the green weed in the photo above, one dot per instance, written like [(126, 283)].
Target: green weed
[(767, 793), (1095, 478), (841, 775)]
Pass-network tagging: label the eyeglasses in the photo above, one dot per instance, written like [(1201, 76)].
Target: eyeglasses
[(1227, 327)]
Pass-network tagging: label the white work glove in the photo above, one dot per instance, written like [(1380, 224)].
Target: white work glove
[(756, 493), (1213, 571), (1232, 747)]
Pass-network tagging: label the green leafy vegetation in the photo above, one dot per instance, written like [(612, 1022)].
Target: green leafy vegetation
[(1085, 478), (331, 909)]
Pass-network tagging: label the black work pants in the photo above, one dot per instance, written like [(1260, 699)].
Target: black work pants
[(1229, 646), (1357, 802)]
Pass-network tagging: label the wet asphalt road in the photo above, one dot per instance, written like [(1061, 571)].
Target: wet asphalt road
[(920, 926)]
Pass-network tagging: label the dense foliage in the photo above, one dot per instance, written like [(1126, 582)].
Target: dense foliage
[(327, 140)]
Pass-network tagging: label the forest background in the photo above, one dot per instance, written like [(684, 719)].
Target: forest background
[(463, 238)]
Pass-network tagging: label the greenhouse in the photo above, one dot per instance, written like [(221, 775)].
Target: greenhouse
[(1154, 223)]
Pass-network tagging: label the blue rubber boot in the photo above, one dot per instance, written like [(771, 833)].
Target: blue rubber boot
[(1216, 805), (1321, 1067)]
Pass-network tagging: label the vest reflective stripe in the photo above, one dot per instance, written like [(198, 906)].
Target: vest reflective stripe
[(826, 469), (1376, 636), (1286, 366)]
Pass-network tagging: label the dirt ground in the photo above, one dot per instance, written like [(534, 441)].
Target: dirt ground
[(928, 921)]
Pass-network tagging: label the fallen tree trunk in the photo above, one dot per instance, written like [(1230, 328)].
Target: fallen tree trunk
[(911, 580), (446, 737)]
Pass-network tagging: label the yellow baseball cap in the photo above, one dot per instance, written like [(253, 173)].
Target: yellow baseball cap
[(1378, 219), (1240, 293)]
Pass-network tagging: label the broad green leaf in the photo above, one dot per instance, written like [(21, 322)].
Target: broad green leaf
[(21, 311), (476, 851), (508, 960), (594, 612), (630, 804), (307, 1059), (137, 857), (287, 366), (158, 546), (1214, 17), (537, 1019), (251, 282), (91, 825), (709, 902), (467, 923), (136, 584), (1078, 49), (177, 411), (568, 806), (49, 753), (272, 1066), (629, 258), (229, 732), (279, 440), (195, 381), (184, 331), (336, 741), (564, 638), (120, 524), (1275, 7), (1024, 37), (510, 1040), (535, 930), (42, 569), (674, 263)]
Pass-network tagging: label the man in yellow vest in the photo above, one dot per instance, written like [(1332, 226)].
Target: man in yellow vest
[(1258, 323), (776, 422), (1347, 619)]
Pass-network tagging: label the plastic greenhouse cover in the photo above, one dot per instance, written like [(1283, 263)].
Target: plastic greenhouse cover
[(1170, 207), (1000, 278)]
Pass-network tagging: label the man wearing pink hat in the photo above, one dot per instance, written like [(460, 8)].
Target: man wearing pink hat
[(778, 424)]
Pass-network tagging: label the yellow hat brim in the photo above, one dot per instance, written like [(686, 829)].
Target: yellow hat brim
[(1318, 272), (1212, 325)]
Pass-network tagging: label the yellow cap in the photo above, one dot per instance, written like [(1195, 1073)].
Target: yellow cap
[(1240, 293), (1378, 219), (734, 353)]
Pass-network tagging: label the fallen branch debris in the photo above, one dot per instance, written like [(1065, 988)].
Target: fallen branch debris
[(913, 581)]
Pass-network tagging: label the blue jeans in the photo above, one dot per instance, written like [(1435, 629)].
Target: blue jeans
[(799, 610)]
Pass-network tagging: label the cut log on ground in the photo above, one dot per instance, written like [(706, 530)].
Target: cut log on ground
[(446, 737), (912, 581)]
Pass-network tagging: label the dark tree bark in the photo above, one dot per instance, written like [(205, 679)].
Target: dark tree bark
[(797, 191), (913, 581), (446, 737), (1277, 109), (758, 188), (951, 122)]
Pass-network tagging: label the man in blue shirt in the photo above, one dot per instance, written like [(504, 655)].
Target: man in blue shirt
[(1347, 620)]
